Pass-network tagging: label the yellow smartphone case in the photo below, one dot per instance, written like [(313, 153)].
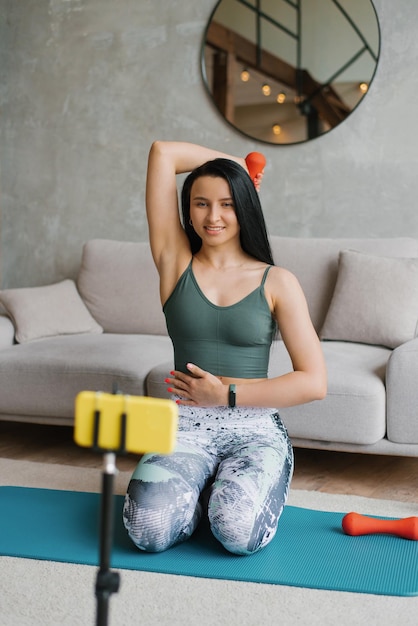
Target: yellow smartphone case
[(151, 423)]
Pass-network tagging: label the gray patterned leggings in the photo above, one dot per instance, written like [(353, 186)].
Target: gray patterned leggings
[(243, 454)]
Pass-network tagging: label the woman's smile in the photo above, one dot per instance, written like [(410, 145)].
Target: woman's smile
[(214, 230)]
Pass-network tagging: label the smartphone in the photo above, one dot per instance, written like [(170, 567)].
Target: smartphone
[(120, 423)]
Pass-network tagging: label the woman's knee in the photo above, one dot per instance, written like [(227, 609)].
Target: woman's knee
[(245, 506), (236, 525), (159, 516), (161, 506)]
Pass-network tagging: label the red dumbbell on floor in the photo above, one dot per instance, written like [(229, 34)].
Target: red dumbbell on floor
[(356, 524)]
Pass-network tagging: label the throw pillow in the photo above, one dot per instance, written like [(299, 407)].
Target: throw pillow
[(39, 312), (375, 300)]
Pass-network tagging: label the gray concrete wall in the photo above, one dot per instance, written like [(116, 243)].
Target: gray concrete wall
[(87, 85)]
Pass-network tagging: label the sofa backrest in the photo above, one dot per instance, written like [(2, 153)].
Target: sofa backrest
[(315, 263), (119, 285)]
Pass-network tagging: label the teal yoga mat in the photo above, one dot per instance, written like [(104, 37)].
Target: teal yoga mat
[(309, 550)]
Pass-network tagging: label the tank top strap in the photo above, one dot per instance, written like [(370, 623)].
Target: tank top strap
[(266, 271)]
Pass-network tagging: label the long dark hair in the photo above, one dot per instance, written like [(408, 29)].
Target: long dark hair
[(253, 232)]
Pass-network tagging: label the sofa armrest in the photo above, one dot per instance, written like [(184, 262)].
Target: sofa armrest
[(402, 393), (7, 331)]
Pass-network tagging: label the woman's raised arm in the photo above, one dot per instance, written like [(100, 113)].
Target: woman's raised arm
[(169, 243)]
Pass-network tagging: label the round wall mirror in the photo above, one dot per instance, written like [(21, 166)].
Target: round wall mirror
[(287, 71)]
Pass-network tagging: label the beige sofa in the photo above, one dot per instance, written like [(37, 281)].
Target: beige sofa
[(106, 330)]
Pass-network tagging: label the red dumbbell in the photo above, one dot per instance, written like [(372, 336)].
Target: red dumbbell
[(356, 524), (255, 162)]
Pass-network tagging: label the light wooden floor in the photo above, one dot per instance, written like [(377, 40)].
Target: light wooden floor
[(390, 478)]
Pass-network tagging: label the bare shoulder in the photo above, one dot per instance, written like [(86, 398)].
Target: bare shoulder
[(283, 288), (279, 277)]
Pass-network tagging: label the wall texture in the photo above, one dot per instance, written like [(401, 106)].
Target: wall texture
[(87, 85)]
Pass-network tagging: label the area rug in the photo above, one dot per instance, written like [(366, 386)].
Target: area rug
[(309, 550), (46, 593)]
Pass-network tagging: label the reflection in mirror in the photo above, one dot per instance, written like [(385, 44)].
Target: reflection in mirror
[(285, 71)]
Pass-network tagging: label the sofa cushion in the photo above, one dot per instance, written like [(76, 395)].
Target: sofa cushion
[(155, 386), (39, 312), (375, 300), (119, 284), (354, 410), (43, 378), (7, 331), (401, 385), (315, 263)]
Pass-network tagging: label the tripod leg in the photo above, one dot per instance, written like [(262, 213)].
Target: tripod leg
[(107, 582)]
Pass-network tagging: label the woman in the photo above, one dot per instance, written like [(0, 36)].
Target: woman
[(223, 299)]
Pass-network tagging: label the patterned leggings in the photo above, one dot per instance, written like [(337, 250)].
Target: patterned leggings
[(243, 454)]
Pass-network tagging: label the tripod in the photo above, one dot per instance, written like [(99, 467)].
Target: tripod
[(115, 424)]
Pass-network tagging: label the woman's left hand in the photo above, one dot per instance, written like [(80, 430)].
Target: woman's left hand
[(199, 388)]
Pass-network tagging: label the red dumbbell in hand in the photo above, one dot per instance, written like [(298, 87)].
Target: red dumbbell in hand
[(255, 162), (356, 524)]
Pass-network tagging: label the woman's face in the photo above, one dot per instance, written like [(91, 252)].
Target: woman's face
[(212, 210)]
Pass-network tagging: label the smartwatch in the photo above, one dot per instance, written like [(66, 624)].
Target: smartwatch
[(232, 397)]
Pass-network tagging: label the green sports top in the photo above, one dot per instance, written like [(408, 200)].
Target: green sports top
[(231, 341)]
